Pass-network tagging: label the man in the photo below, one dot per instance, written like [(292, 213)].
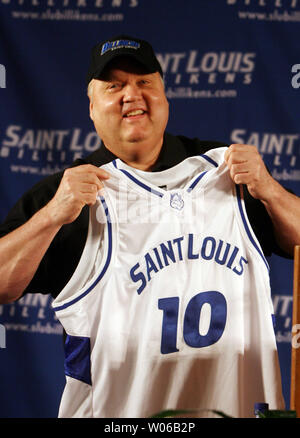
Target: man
[(45, 233)]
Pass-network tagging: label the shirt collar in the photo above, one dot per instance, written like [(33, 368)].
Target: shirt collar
[(172, 153)]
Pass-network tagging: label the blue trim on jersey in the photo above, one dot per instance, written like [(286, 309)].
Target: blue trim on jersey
[(107, 262), (78, 358), (138, 182), (193, 185), (141, 184), (210, 160), (199, 177), (155, 192), (251, 238)]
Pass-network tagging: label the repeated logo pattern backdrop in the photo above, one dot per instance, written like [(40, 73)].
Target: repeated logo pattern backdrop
[(232, 72)]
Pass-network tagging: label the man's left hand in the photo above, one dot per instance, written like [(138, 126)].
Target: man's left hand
[(247, 167)]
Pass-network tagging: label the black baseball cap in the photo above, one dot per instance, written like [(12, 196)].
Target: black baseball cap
[(122, 45)]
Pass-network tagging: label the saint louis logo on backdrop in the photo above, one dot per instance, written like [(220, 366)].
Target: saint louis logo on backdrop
[(2, 76), (266, 10), (113, 11), (213, 74)]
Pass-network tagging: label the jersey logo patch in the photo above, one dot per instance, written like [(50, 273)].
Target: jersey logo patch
[(176, 201)]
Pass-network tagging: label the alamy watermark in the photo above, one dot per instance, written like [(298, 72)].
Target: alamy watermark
[(2, 76), (296, 78), (2, 336), (131, 207)]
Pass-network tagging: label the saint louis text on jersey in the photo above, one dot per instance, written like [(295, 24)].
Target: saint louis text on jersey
[(187, 248)]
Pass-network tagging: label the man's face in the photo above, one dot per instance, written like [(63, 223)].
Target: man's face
[(129, 108)]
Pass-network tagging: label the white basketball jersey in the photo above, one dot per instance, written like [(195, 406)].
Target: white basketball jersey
[(170, 305)]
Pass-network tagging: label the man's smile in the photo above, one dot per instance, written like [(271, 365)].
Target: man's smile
[(135, 113)]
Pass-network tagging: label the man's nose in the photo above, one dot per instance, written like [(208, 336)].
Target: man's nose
[(132, 92)]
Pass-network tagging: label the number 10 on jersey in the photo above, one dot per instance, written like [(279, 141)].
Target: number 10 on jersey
[(192, 334)]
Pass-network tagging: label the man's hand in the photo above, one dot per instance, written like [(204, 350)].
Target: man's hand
[(78, 187), (247, 167), (22, 250)]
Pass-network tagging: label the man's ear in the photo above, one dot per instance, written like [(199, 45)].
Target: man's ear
[(91, 109), (89, 93)]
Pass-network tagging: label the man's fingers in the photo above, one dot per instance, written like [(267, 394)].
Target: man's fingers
[(90, 188), (88, 169), (94, 170), (85, 174), (79, 186), (101, 173), (242, 178), (247, 167), (243, 167), (90, 198), (238, 153)]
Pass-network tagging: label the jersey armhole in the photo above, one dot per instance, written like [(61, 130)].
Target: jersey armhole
[(245, 224), (86, 277)]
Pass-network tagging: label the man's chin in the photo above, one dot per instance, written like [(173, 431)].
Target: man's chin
[(135, 139)]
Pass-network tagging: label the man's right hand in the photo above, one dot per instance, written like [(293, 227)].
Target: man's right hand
[(22, 250), (78, 187)]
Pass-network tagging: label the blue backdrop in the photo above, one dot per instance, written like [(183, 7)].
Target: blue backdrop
[(232, 70)]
